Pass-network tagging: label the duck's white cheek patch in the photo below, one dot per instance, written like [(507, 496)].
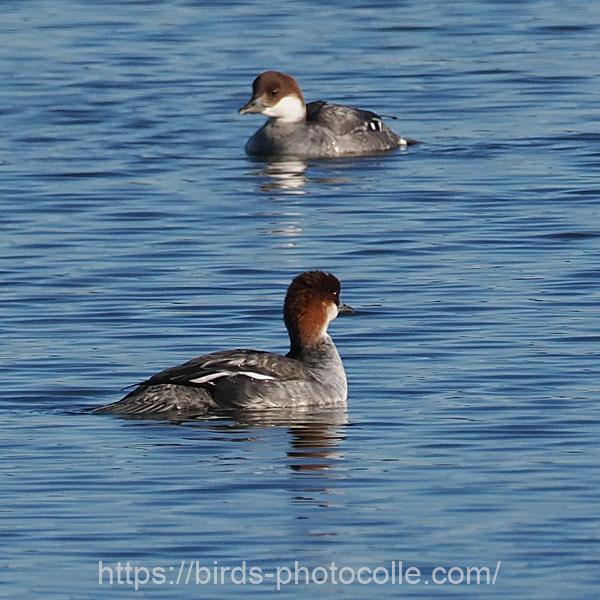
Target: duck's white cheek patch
[(289, 108), (332, 311)]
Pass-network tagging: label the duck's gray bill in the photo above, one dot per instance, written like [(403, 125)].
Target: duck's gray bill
[(345, 309)]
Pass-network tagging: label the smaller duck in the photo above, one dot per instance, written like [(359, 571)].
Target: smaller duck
[(314, 130), (310, 375)]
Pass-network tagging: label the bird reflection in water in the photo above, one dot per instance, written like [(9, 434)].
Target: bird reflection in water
[(315, 437), (316, 434), (290, 176), (285, 175)]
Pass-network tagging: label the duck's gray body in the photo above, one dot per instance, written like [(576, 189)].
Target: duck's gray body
[(329, 130), (240, 379)]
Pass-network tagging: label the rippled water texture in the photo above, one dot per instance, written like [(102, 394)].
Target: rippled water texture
[(136, 234)]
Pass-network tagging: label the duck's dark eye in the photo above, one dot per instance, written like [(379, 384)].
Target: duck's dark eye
[(274, 92)]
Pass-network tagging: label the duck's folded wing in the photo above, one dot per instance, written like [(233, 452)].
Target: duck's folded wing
[(189, 388), (205, 370), (161, 400), (342, 120)]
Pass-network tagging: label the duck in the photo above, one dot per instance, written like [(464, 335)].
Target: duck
[(314, 130), (311, 374)]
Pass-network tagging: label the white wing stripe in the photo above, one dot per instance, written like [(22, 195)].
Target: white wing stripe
[(212, 376), (255, 375)]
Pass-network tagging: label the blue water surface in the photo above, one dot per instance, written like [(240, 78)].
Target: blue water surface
[(136, 234)]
